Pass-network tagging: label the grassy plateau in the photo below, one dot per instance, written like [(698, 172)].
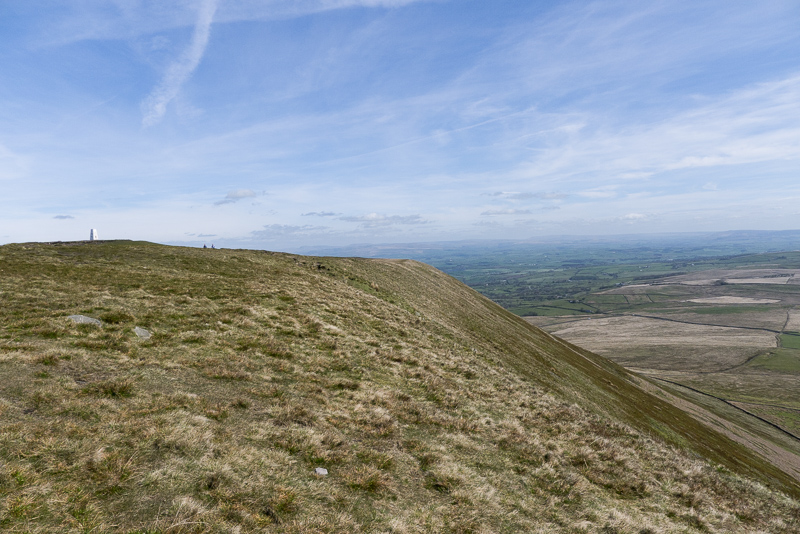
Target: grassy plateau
[(431, 408)]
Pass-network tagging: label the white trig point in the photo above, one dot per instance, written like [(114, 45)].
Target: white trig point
[(93, 234)]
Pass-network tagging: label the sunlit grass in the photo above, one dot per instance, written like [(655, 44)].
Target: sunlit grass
[(432, 409)]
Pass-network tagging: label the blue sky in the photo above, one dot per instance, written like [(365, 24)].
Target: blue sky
[(280, 124)]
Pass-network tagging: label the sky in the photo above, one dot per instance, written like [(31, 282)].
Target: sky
[(281, 124)]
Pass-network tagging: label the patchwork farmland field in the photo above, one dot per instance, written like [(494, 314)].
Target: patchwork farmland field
[(733, 334), (652, 343)]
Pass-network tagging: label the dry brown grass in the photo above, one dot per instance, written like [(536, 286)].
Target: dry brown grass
[(744, 276), (650, 343), (608, 333), (262, 367), (793, 322), (733, 300)]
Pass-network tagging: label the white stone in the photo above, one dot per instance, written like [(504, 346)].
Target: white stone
[(82, 319), (142, 333), (321, 471)]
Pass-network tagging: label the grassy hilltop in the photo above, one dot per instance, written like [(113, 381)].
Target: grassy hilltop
[(432, 408)]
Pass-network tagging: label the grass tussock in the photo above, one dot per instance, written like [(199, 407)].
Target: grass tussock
[(113, 388), (432, 409)]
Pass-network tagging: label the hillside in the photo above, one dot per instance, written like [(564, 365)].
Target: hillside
[(432, 408)]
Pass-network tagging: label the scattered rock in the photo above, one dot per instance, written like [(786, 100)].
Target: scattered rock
[(82, 319), (142, 333), (321, 471)]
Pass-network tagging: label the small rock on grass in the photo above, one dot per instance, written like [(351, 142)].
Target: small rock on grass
[(321, 471), (82, 319), (142, 333)]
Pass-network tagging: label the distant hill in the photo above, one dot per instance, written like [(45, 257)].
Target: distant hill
[(430, 408)]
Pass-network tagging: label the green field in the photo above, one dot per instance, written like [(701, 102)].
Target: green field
[(781, 360), (790, 341)]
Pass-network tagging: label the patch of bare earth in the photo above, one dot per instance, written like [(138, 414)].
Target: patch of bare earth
[(735, 276), (645, 342), (608, 333), (793, 323)]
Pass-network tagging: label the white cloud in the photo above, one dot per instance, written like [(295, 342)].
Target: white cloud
[(127, 19), (633, 217), (155, 105), (374, 220), (547, 109), (273, 232), (541, 195), (492, 213), (756, 124), (321, 214), (599, 192), (236, 196)]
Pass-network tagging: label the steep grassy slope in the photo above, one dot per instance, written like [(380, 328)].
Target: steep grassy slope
[(432, 409)]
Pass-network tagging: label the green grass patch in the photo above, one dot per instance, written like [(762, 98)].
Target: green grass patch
[(789, 341), (784, 360)]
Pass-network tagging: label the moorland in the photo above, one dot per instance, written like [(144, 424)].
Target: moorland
[(713, 318), (710, 323), (431, 408)]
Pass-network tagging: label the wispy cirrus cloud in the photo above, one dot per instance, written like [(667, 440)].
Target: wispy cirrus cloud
[(756, 124), (155, 105), (63, 217), (128, 19)]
